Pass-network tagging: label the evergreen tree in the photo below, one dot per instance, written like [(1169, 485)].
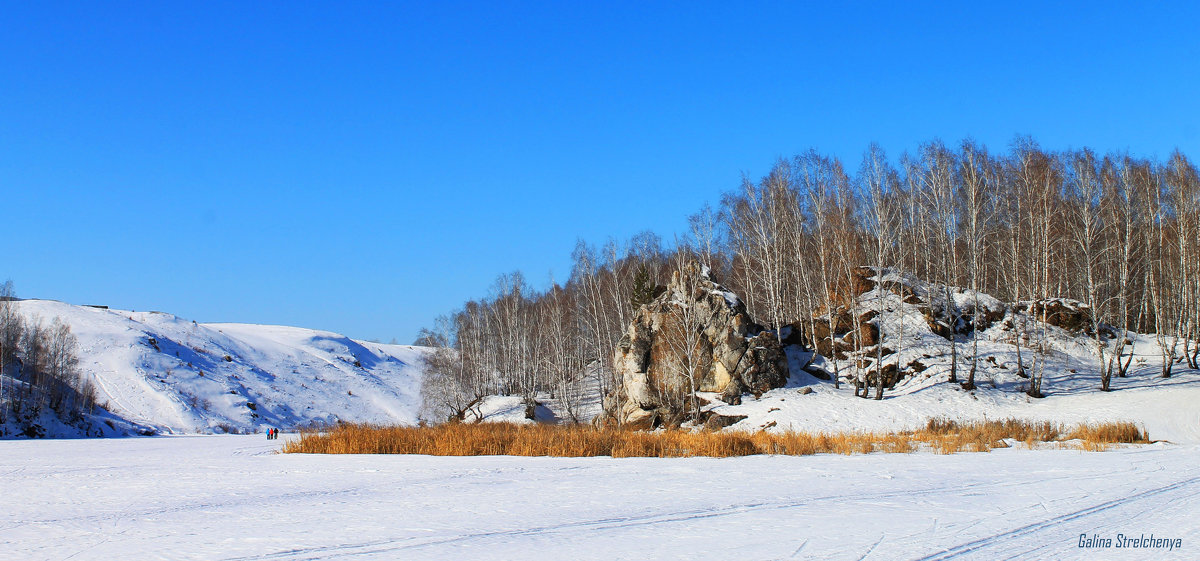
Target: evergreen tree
[(644, 288)]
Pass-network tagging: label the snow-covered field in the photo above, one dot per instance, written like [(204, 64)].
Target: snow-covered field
[(233, 497)]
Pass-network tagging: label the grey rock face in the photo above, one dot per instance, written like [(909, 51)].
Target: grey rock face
[(696, 336)]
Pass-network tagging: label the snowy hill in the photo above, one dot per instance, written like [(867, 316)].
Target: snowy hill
[(900, 310), (1169, 409), (173, 375)]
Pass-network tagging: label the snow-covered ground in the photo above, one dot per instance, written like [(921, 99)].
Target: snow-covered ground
[(1168, 409), (178, 376), (232, 497)]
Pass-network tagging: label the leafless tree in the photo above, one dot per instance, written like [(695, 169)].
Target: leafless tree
[(450, 388), (755, 219), (1183, 185), (881, 182), (1118, 211), (596, 318), (704, 227), (1042, 179), (940, 188), (563, 361), (1088, 230), (684, 336), (979, 176), (513, 322), (69, 390), (11, 329), (1012, 205), (819, 177)]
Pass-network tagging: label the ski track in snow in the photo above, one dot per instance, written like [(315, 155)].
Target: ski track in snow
[(998, 539), (232, 498)]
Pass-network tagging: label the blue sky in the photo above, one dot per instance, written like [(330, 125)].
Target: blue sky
[(362, 168)]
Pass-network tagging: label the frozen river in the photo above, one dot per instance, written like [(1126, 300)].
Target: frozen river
[(233, 497)]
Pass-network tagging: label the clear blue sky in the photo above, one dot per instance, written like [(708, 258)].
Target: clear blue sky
[(363, 168)]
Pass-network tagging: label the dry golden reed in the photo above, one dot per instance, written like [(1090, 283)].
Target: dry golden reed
[(494, 439)]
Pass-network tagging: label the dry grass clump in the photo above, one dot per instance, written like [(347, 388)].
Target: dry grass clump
[(494, 439), (947, 436), (1101, 437)]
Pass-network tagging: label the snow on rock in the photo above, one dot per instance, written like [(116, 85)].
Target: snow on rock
[(173, 375), (908, 322), (911, 324), (45, 423), (1169, 409), (695, 326)]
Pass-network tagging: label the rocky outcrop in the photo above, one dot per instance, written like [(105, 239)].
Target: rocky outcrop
[(695, 336), (1072, 315), (843, 337), (854, 329)]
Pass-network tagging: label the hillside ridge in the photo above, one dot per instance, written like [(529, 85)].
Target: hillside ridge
[(169, 375)]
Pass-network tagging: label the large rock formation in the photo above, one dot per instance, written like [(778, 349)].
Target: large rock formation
[(695, 336)]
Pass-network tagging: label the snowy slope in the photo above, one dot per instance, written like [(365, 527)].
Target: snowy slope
[(1169, 409), (179, 376)]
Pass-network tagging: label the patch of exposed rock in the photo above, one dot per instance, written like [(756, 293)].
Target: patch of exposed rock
[(695, 336), (854, 328), (1072, 315)]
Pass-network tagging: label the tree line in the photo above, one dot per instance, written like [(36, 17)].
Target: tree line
[(39, 368), (1119, 233)]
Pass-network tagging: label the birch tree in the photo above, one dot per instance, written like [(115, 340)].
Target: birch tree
[(941, 196), (1183, 186), (1088, 231), (1119, 210), (819, 178), (880, 181), (978, 177), (1040, 178), (756, 217)]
